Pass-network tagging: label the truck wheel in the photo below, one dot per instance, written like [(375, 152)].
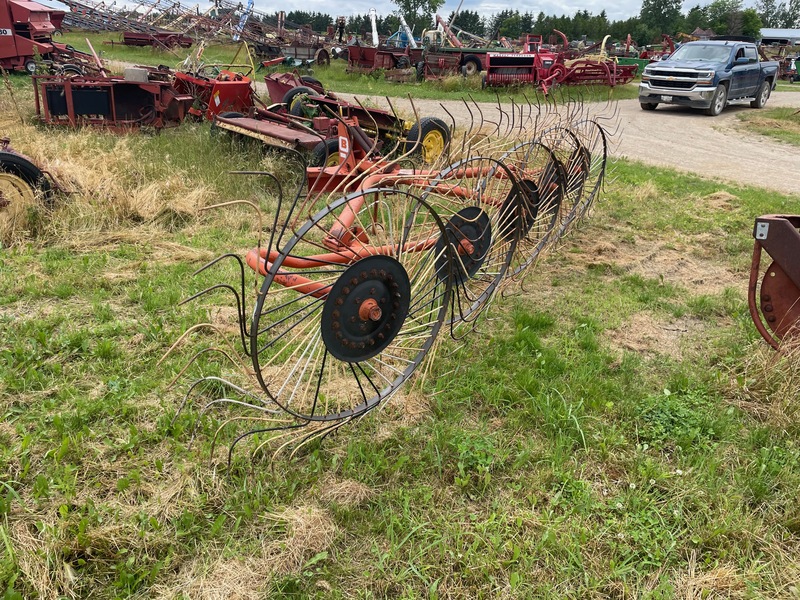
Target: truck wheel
[(761, 96), (325, 154), (30, 66), (430, 137), (472, 65), (718, 101), (648, 105)]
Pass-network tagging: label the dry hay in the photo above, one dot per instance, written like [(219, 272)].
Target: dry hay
[(720, 200), (645, 334), (768, 385), (345, 492), (310, 530), (723, 581)]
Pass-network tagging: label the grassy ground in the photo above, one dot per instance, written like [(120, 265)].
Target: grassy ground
[(616, 429), (779, 123)]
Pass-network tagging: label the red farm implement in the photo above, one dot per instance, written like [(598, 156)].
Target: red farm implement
[(775, 299), (358, 277), (161, 39), (26, 30), (143, 97), (216, 90)]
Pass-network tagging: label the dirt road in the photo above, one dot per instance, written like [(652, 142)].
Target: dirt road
[(682, 139)]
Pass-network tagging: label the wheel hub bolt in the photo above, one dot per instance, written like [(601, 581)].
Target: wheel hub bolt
[(369, 310)]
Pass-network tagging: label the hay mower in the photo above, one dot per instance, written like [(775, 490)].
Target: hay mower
[(307, 120), (361, 273), (775, 300)]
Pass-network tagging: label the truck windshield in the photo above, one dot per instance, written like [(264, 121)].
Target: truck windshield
[(702, 52)]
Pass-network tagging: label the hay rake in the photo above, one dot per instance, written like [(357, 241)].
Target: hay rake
[(372, 258)]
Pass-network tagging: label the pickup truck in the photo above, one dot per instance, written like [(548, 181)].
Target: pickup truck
[(708, 75)]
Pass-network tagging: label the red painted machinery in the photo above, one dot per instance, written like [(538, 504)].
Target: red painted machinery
[(161, 39), (143, 97), (216, 90), (534, 65), (22, 184), (26, 30), (775, 300)]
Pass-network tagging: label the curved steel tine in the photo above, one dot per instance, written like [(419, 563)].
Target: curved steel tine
[(198, 355), (254, 432), (471, 118), (452, 131), (235, 402), (480, 112), (206, 379), (241, 318), (317, 433)]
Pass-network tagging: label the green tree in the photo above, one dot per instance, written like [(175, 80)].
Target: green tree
[(696, 17), (418, 13), (660, 15), (470, 21), (722, 16), (769, 12), (751, 23)]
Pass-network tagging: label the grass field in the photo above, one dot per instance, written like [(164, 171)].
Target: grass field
[(778, 123), (616, 428)]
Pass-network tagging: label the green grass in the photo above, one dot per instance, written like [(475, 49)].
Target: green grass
[(778, 123), (591, 440)]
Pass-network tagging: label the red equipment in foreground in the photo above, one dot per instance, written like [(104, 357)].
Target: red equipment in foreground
[(143, 97), (26, 30), (21, 184), (775, 301)]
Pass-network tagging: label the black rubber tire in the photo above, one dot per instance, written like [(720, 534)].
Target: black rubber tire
[(231, 114), (216, 131), (472, 65), (70, 70), (295, 91), (26, 170), (30, 66), (421, 129), (648, 105), (718, 101), (762, 95), (309, 81), (323, 151), (420, 70), (296, 107), (403, 62)]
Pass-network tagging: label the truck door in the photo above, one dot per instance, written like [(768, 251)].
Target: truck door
[(739, 76), (754, 72)]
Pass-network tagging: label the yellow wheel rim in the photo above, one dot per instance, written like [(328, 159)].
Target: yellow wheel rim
[(16, 197), (432, 146), (332, 160)]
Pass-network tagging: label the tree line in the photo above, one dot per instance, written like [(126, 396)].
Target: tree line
[(656, 17)]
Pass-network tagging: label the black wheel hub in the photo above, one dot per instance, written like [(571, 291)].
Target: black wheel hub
[(366, 308), (524, 196), (469, 232)]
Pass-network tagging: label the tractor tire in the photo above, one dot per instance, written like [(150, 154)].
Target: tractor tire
[(403, 62), (312, 82), (718, 101), (430, 138), (648, 105), (471, 65), (30, 66), (216, 131), (69, 69), (20, 183), (325, 154), (289, 96), (762, 95), (420, 70)]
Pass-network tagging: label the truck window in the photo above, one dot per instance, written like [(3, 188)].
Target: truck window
[(750, 52)]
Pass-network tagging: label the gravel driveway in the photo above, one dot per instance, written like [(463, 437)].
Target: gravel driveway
[(679, 138)]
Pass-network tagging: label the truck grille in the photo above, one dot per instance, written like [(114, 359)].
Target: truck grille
[(674, 84)]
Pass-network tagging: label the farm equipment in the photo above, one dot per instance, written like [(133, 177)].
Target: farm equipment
[(360, 277), (304, 118), (775, 300), (545, 68), (22, 185), (144, 96), (216, 89), (26, 30), (159, 39)]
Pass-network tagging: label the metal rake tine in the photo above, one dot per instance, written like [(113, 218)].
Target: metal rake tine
[(471, 118), (319, 433), (245, 202), (208, 378), (198, 355), (241, 317), (233, 445)]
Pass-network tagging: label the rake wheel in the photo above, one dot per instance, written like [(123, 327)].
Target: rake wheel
[(477, 199), (541, 191), (342, 321)]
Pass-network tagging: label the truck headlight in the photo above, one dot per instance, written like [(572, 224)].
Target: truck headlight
[(645, 75), (705, 78)]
